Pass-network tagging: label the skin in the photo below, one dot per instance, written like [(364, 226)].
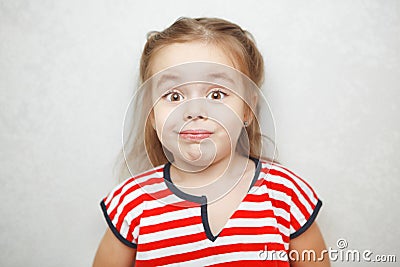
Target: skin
[(190, 112), (311, 239), (111, 251)]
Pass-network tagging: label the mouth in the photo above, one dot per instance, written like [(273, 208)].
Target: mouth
[(195, 135)]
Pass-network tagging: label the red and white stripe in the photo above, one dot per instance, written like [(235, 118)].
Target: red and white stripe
[(168, 231)]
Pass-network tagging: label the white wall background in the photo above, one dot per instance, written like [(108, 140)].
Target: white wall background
[(67, 70)]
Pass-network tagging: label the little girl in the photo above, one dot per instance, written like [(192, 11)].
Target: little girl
[(206, 194)]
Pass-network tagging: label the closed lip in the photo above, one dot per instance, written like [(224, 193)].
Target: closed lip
[(200, 131), (195, 135)]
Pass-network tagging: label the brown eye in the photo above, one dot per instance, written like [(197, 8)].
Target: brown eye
[(216, 95), (174, 96)]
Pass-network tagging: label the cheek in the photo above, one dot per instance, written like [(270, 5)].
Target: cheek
[(229, 121), (159, 117), (234, 119), (164, 118), (233, 113), (240, 107)]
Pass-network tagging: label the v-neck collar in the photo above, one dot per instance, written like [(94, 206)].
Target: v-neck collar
[(202, 200)]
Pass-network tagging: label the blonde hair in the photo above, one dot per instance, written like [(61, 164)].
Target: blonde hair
[(239, 46)]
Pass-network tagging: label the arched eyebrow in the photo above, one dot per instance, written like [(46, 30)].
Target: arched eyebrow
[(166, 77), (221, 78), (217, 77)]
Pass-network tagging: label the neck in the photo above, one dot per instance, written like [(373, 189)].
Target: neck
[(223, 172)]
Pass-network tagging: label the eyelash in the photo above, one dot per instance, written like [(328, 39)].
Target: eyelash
[(169, 94), (217, 91)]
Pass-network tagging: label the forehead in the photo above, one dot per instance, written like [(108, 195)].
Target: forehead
[(179, 53)]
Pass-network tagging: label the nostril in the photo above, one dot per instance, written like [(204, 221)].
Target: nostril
[(196, 117)]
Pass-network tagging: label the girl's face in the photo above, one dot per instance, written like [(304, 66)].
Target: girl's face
[(199, 123)]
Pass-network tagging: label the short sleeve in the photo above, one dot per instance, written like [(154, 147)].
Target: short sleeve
[(304, 205), (122, 209)]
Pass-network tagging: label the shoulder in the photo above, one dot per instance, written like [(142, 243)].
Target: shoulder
[(123, 206), (136, 185), (294, 198), (285, 180)]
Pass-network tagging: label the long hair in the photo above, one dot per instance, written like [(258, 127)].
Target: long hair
[(146, 150)]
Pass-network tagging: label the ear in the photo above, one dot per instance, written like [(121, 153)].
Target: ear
[(248, 112), (248, 115)]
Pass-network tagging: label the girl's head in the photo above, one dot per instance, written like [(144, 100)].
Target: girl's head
[(188, 40)]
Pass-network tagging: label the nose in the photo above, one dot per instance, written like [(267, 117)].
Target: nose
[(195, 109), (191, 117), (192, 114)]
